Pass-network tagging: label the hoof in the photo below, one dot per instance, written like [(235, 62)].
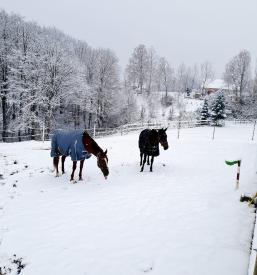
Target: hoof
[(80, 179), (73, 181), (57, 175)]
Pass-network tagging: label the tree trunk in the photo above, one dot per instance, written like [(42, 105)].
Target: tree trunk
[(4, 117)]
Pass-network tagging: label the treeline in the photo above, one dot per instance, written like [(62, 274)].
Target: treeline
[(48, 78), (147, 72)]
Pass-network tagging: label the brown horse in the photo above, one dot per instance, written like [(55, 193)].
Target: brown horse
[(79, 145)]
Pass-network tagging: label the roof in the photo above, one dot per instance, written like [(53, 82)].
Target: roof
[(217, 84)]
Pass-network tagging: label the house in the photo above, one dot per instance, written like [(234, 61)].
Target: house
[(219, 85), (215, 86)]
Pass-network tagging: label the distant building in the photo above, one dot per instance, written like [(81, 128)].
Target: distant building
[(219, 85), (215, 86)]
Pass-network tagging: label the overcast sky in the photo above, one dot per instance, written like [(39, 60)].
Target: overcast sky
[(189, 31)]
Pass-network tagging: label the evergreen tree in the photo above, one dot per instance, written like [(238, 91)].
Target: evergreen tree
[(218, 109), (204, 113)]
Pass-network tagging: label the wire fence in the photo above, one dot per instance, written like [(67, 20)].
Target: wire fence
[(44, 134)]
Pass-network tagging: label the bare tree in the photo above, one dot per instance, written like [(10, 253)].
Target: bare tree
[(238, 73), (207, 74), (138, 67), (152, 59), (255, 82), (165, 75), (186, 78)]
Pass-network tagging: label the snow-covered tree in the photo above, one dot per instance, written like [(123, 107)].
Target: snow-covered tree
[(107, 85), (48, 78), (218, 109), (204, 113), (8, 40)]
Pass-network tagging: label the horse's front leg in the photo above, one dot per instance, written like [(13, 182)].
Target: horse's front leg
[(141, 158), (63, 160), (144, 161), (151, 166), (148, 157), (80, 169), (56, 162), (74, 166)]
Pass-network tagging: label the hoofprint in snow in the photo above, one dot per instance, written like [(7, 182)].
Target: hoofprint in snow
[(184, 218)]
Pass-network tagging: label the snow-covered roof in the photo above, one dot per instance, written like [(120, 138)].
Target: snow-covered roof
[(217, 84)]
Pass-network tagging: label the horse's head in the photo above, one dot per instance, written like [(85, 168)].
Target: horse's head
[(163, 138), (102, 163)]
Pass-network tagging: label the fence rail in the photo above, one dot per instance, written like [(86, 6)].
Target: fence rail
[(43, 133)]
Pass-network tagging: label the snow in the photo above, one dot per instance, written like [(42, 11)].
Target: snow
[(217, 84), (191, 105), (161, 112), (184, 218)]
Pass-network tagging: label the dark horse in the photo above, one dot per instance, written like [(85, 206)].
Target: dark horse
[(79, 145), (149, 145)]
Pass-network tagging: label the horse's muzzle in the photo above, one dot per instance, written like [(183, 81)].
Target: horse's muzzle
[(165, 146), (106, 173)]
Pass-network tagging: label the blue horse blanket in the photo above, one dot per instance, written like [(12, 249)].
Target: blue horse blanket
[(69, 143)]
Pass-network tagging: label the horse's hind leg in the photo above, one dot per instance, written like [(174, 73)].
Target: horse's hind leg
[(151, 167), (148, 163), (56, 162), (80, 169), (74, 166), (63, 160), (144, 161)]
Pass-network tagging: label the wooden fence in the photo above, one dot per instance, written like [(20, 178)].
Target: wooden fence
[(42, 133)]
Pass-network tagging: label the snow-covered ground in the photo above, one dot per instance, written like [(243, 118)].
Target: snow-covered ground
[(184, 218)]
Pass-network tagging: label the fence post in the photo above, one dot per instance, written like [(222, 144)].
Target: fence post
[(254, 129), (213, 133), (94, 131), (178, 128), (43, 132)]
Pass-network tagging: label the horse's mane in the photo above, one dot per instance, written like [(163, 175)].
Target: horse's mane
[(94, 144)]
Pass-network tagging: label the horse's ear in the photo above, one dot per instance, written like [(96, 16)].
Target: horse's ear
[(105, 152), (165, 129)]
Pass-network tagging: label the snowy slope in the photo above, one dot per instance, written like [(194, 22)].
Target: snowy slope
[(184, 218), (188, 105)]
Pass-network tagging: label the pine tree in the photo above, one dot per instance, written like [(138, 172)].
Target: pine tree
[(204, 113), (218, 109)]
